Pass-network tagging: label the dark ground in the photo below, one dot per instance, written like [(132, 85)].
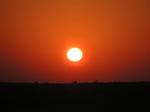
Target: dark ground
[(74, 97)]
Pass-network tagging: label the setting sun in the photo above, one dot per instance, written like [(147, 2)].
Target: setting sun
[(74, 54)]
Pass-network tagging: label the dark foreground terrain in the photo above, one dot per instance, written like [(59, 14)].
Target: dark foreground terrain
[(87, 96)]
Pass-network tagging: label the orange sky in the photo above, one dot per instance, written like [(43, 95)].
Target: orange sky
[(114, 36)]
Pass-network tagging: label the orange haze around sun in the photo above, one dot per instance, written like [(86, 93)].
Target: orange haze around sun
[(113, 35)]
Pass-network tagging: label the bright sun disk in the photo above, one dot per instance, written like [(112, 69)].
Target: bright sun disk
[(74, 54)]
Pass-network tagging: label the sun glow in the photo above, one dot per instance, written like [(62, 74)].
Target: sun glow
[(74, 54)]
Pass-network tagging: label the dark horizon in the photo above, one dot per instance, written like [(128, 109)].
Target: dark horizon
[(72, 82)]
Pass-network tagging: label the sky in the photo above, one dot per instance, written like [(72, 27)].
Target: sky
[(36, 34)]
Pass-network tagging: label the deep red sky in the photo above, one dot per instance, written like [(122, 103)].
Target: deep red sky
[(113, 34)]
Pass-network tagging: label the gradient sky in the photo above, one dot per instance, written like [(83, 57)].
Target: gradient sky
[(113, 34)]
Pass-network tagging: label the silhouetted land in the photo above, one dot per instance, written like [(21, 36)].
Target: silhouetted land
[(89, 96)]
